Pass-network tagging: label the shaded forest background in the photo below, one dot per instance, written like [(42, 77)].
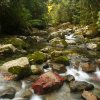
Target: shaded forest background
[(20, 16)]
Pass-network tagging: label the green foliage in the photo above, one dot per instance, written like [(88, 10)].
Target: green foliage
[(98, 22), (74, 11), (19, 15), (37, 57)]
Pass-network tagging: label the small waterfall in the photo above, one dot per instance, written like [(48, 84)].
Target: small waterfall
[(97, 73), (36, 97), (78, 74)]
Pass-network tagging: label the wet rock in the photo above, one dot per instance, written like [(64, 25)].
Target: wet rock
[(57, 42), (54, 35), (56, 53), (24, 93), (51, 29), (61, 60), (47, 49), (18, 42), (37, 39), (6, 76), (88, 67), (91, 46), (6, 50), (36, 69), (77, 86), (47, 82), (69, 78), (59, 68), (88, 95), (98, 63), (45, 65), (37, 57), (8, 93), (61, 94)]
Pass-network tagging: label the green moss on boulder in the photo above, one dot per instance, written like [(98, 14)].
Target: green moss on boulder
[(37, 57), (62, 60), (21, 72)]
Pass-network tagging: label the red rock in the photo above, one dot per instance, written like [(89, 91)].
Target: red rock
[(47, 82)]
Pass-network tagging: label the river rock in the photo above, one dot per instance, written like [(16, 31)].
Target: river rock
[(45, 65), (37, 57), (88, 67), (59, 68), (91, 46), (19, 67), (57, 42), (61, 94), (24, 93), (98, 63), (88, 95), (36, 69), (7, 49), (77, 86), (8, 93), (47, 82), (22, 62), (69, 78)]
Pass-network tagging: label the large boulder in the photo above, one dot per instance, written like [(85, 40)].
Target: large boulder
[(88, 67), (47, 82), (88, 95), (20, 67), (22, 62), (77, 86)]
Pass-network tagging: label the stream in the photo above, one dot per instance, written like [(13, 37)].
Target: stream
[(64, 91)]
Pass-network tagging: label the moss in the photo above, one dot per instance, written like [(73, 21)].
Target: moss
[(17, 42), (60, 42), (21, 72), (62, 60), (64, 43), (37, 57), (98, 47)]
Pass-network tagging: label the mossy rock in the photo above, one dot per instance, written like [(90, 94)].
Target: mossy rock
[(57, 42), (62, 60), (17, 42), (37, 57), (98, 47), (21, 72)]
